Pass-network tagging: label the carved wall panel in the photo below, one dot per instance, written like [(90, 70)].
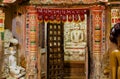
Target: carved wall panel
[(75, 45), (75, 40)]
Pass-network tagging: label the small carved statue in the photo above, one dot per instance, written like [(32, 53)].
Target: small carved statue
[(115, 54), (15, 70), (10, 69)]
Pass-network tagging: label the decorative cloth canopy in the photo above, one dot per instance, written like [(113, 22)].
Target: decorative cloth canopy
[(61, 14)]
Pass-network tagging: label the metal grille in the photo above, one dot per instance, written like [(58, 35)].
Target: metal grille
[(55, 53)]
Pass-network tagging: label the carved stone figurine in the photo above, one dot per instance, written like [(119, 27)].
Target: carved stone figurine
[(15, 70), (10, 69), (5, 67), (115, 54)]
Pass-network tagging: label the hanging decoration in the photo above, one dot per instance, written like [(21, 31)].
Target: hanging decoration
[(61, 14), (115, 16), (98, 32), (31, 41)]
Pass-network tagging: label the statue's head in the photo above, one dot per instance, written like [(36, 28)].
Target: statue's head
[(11, 50), (115, 34)]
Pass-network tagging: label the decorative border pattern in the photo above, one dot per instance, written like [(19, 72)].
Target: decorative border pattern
[(98, 34), (31, 41), (65, 1)]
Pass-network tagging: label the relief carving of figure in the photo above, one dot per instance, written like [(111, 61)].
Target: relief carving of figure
[(77, 35)]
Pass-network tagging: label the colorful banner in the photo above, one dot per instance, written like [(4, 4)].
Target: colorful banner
[(61, 14), (115, 16)]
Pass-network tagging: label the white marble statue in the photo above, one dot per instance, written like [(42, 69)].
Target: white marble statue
[(15, 70), (77, 35), (10, 68)]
